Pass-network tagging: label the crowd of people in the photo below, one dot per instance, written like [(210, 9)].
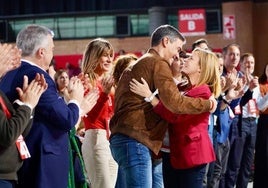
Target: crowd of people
[(169, 118)]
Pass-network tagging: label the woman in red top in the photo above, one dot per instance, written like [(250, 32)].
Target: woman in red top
[(100, 166), (190, 145)]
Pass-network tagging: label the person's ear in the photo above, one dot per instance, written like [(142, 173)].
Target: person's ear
[(41, 52), (165, 41)]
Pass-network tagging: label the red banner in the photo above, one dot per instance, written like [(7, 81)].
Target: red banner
[(63, 61), (192, 22), (74, 60)]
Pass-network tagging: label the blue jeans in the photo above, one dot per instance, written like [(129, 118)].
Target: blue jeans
[(6, 184), (157, 174), (134, 159), (191, 178), (121, 179), (185, 178)]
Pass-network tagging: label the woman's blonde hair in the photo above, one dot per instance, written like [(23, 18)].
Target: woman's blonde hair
[(93, 52), (209, 66)]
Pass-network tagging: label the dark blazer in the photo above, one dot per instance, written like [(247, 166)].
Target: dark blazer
[(10, 129), (48, 139)]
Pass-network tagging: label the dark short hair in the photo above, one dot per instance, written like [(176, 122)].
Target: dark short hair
[(225, 49), (165, 31)]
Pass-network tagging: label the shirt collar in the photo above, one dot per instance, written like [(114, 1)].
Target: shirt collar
[(32, 63)]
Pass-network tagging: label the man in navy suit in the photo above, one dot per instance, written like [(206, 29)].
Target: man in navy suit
[(48, 139), (15, 117)]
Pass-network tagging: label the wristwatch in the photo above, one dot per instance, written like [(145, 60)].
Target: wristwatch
[(149, 99)]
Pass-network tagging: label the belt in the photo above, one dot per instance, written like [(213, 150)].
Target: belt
[(250, 118)]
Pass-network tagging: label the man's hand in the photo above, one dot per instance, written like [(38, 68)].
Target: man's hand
[(10, 58), (253, 83), (30, 94)]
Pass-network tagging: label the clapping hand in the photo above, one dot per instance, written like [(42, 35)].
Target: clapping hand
[(10, 58), (31, 93), (89, 101), (107, 84), (76, 89), (85, 81)]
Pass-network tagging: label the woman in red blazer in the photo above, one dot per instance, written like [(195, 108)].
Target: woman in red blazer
[(190, 145)]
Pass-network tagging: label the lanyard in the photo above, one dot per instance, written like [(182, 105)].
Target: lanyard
[(20, 143)]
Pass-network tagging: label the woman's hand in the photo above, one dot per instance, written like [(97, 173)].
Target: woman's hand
[(107, 84), (85, 81), (76, 89), (89, 101), (141, 89)]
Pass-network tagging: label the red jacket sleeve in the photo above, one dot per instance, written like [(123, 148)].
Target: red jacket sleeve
[(164, 113)]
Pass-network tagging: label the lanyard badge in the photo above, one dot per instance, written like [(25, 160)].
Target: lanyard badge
[(22, 148), (21, 145), (252, 106)]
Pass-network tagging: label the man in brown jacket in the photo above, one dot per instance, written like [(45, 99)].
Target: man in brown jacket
[(135, 129)]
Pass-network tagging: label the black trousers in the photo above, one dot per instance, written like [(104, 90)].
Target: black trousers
[(261, 153)]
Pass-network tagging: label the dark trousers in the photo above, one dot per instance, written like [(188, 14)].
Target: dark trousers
[(169, 173), (177, 178), (261, 153), (249, 132), (232, 138), (241, 153), (222, 153)]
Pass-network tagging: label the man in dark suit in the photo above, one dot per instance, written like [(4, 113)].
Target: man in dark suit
[(16, 118), (48, 139)]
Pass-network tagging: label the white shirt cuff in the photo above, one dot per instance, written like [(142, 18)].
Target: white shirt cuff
[(19, 102), (77, 104)]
